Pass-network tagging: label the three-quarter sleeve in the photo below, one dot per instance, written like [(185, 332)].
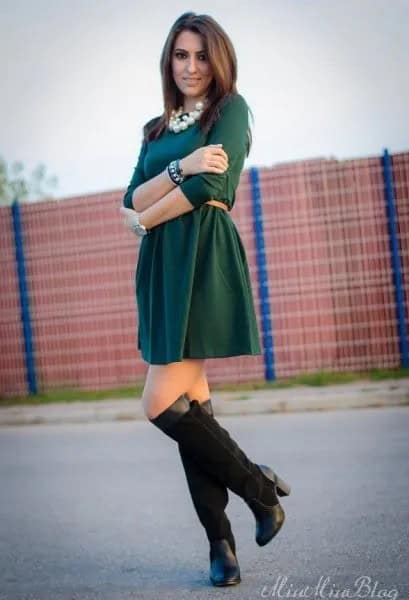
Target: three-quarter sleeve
[(138, 177), (230, 130)]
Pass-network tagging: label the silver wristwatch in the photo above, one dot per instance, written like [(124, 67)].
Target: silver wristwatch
[(137, 227)]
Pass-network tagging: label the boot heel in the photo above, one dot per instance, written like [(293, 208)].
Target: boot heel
[(282, 487)]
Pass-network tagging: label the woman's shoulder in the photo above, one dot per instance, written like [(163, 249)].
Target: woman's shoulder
[(232, 109), (149, 125), (234, 101), (152, 121), (233, 105)]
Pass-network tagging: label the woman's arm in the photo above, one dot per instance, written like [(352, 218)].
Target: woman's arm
[(142, 193), (151, 191), (172, 205), (206, 159), (230, 130), (169, 207), (210, 159)]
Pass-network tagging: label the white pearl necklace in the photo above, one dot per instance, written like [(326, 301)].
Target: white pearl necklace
[(178, 123)]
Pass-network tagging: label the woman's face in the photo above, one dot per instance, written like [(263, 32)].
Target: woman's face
[(190, 67)]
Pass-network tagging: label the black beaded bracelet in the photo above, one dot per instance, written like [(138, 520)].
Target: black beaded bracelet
[(175, 172)]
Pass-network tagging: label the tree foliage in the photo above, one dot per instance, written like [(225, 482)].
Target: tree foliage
[(15, 184)]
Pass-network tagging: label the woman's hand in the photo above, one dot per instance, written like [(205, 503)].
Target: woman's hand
[(207, 159), (129, 218)]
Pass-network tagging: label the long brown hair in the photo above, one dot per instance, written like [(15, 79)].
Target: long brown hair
[(222, 58)]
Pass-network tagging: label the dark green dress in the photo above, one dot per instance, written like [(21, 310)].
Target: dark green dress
[(192, 279)]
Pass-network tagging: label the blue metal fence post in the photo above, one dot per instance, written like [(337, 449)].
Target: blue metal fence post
[(24, 298), (262, 275), (396, 259)]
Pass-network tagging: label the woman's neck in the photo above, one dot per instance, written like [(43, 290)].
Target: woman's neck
[(189, 104)]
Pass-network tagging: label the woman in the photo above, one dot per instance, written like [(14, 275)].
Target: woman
[(192, 279)]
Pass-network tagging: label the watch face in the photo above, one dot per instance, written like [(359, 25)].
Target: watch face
[(139, 229)]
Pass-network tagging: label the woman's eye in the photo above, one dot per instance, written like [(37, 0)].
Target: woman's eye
[(182, 55)]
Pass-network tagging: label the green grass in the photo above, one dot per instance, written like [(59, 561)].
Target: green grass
[(320, 378), (72, 395)]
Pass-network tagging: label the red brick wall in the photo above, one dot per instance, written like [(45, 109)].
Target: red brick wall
[(330, 280)]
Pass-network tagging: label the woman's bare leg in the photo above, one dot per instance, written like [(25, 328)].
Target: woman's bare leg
[(165, 383)]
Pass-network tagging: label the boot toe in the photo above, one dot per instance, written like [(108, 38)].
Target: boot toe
[(224, 568), (269, 520)]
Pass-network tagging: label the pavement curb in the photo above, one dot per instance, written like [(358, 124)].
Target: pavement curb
[(391, 392)]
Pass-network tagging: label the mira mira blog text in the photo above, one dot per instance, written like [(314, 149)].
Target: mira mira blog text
[(363, 587)]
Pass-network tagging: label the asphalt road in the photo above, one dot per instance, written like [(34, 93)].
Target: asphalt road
[(102, 511)]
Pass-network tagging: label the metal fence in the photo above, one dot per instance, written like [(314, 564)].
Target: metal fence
[(327, 243)]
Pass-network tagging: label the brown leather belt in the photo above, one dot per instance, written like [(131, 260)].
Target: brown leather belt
[(217, 203)]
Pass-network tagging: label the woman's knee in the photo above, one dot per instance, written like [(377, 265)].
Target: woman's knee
[(154, 404), (166, 383)]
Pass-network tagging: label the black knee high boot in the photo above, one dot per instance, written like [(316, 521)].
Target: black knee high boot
[(210, 499), (209, 496), (208, 443)]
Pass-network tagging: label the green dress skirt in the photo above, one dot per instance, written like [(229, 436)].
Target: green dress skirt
[(193, 290)]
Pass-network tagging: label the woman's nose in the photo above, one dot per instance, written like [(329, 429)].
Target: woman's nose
[(191, 65)]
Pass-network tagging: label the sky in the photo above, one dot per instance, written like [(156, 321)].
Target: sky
[(323, 78)]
